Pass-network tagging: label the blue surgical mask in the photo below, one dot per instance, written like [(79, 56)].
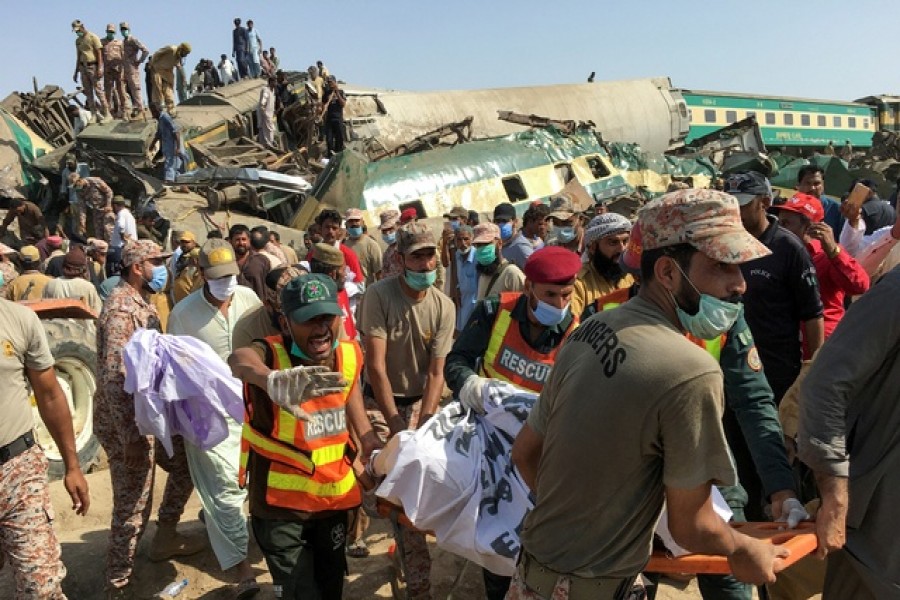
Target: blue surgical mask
[(563, 234), (158, 278), (713, 318), (506, 231), (454, 225), (420, 281), (486, 255), (354, 232), (548, 315), (2, 279), (389, 238)]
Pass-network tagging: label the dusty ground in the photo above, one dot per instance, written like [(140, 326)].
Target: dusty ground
[(84, 550)]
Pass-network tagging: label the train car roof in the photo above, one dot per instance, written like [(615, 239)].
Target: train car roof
[(762, 97)]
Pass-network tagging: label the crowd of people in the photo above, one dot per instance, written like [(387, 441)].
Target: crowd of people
[(668, 352)]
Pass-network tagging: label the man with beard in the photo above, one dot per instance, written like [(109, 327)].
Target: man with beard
[(605, 240), (330, 226), (515, 336), (253, 266)]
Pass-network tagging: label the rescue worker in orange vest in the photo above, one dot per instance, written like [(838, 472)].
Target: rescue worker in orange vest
[(751, 425), (301, 394), (514, 337)]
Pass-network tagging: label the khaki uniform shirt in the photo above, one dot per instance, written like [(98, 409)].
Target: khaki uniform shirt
[(28, 286), (88, 48), (369, 253)]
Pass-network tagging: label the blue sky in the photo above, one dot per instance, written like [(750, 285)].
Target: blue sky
[(824, 49)]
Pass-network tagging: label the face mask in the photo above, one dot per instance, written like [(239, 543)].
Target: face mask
[(158, 278), (126, 33), (454, 225), (2, 279), (354, 232), (486, 255), (713, 318), (420, 281), (506, 231), (296, 351), (548, 315), (79, 34), (389, 238), (563, 234), (110, 35), (222, 289)]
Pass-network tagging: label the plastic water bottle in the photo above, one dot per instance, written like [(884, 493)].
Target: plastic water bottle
[(174, 588)]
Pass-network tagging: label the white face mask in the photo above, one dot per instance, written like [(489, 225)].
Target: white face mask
[(223, 288)]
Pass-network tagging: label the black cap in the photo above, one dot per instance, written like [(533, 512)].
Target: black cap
[(505, 210)]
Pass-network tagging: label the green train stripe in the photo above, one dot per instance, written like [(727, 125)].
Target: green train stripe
[(780, 136), (712, 101)]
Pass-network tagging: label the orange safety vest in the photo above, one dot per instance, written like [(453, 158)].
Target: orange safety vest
[(309, 469), (509, 357), (620, 296)]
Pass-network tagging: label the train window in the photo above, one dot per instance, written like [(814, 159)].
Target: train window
[(515, 189), (709, 116), (851, 122), (682, 109), (564, 170), (751, 113), (730, 116), (598, 169), (788, 119), (865, 123), (770, 118), (821, 120), (804, 120), (837, 121)]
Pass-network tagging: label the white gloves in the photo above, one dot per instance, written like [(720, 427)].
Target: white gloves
[(289, 388), (792, 512), (470, 395)]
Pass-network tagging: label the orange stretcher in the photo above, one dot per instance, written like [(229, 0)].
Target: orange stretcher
[(800, 541)]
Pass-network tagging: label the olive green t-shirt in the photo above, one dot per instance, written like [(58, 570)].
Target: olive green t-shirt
[(415, 332), (23, 345), (631, 406)]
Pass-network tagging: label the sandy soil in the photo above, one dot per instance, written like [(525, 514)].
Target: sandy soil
[(84, 550)]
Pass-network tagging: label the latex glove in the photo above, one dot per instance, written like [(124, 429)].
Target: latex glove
[(792, 512), (471, 393), (289, 388)]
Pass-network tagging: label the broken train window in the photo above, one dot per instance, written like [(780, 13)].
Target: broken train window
[(598, 169), (515, 189)]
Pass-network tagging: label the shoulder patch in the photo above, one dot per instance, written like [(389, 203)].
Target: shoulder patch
[(753, 360), (8, 350)]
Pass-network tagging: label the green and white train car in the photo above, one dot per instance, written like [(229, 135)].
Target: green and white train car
[(795, 123)]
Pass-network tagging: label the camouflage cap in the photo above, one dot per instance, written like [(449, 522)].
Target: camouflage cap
[(217, 259), (141, 250), (4, 249), (327, 255), (353, 214), (708, 220), (97, 245), (389, 218), (124, 25), (457, 212), (562, 207), (111, 28), (76, 24), (485, 233), (415, 236)]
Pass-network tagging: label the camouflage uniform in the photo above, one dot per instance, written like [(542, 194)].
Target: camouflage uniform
[(135, 54), (390, 262), (114, 76), (519, 591), (415, 548), (124, 312), (97, 197), (9, 273), (26, 527), (91, 77)]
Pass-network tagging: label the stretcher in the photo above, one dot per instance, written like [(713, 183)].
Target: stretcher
[(800, 541)]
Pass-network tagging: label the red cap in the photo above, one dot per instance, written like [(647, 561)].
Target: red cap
[(630, 259), (408, 215), (552, 264), (806, 205)]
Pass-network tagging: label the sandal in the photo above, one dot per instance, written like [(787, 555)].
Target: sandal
[(358, 549), (246, 589)]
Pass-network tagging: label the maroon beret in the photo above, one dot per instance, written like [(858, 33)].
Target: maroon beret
[(552, 264)]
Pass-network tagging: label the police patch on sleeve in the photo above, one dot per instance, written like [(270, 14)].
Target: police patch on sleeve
[(753, 360)]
